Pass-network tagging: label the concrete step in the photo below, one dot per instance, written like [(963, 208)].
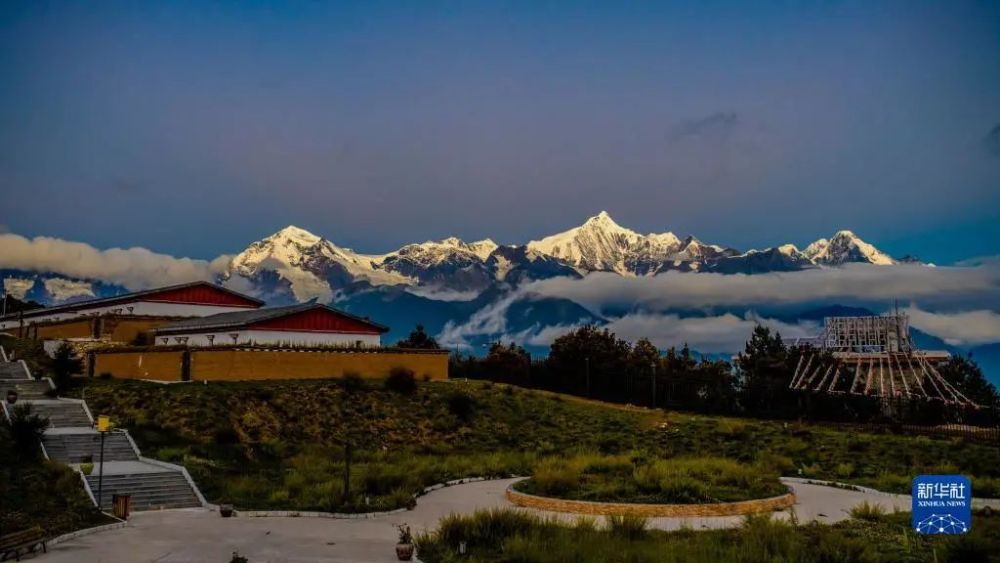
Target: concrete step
[(76, 448), (13, 370), (62, 414), (150, 491), (27, 390)]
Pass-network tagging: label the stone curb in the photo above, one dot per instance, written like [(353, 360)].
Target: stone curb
[(772, 504), (354, 515), (86, 532)]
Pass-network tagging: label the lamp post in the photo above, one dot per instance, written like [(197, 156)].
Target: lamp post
[(103, 427)]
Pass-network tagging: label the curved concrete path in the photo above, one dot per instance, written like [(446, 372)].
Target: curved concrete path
[(195, 535)]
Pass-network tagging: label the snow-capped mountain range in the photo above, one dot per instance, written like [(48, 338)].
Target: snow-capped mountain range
[(305, 266), (295, 265)]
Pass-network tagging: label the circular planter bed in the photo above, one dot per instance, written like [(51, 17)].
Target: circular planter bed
[(683, 487), (739, 508)]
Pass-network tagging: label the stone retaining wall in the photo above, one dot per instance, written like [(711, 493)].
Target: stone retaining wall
[(652, 510)]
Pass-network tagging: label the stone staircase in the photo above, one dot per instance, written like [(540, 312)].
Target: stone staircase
[(27, 390), (72, 439), (14, 370), (150, 490), (62, 413), (79, 447)]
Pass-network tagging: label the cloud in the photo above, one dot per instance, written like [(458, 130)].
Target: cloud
[(965, 328), (648, 307), (720, 124), (991, 142), (852, 283), (719, 334), (134, 268), (488, 321), (725, 333)]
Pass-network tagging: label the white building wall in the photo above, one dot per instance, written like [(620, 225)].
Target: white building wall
[(138, 308), (226, 338)]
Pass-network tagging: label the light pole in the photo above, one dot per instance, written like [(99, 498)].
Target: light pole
[(103, 426)]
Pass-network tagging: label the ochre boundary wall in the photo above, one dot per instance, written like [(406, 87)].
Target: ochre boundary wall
[(652, 510), (241, 364), (112, 328), (162, 366)]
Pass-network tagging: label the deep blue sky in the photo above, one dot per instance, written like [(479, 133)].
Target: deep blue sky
[(194, 128)]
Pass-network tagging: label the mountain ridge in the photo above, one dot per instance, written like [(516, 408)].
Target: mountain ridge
[(296, 265)]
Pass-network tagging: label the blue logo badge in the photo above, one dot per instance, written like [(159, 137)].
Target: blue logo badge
[(942, 504)]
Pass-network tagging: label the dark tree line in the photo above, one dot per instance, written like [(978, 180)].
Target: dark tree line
[(594, 362)]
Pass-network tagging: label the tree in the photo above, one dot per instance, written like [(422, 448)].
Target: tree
[(65, 364), (643, 354), (12, 304), (419, 339), (510, 363), (588, 352), (766, 370), (965, 374), (26, 430)]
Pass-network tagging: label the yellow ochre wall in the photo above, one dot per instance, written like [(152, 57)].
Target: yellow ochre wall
[(113, 328), (82, 328), (227, 365), (162, 366), (126, 330), (244, 364)]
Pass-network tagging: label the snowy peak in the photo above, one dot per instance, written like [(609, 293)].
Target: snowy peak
[(599, 244), (845, 247), (297, 265), (295, 235), (306, 265)]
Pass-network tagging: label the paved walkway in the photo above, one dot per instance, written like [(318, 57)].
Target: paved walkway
[(197, 535)]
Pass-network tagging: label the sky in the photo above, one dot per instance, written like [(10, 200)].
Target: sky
[(194, 128)]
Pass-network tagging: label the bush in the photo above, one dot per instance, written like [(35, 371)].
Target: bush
[(402, 381), (353, 382), (26, 431), (485, 528), (870, 512), (462, 405), (627, 526), (554, 476)]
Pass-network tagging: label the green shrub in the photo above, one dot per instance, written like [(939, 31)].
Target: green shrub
[(462, 405), (870, 512), (402, 381), (26, 430), (353, 382), (485, 527), (627, 526), (555, 476)]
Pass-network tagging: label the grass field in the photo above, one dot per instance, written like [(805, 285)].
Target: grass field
[(279, 444), (509, 535)]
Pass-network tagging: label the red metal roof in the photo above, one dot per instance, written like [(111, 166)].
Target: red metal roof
[(307, 317), (194, 293)]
